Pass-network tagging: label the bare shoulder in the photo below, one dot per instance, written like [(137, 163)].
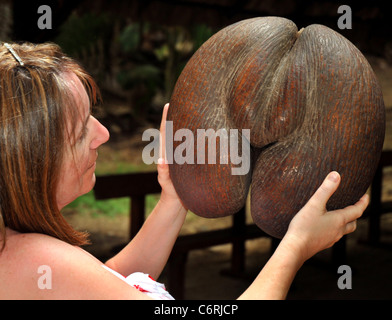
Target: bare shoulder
[(36, 266), (29, 262)]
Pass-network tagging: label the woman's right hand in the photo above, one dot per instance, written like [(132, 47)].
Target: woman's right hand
[(314, 228), (168, 193)]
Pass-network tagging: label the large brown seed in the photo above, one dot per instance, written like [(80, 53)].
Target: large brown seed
[(311, 102)]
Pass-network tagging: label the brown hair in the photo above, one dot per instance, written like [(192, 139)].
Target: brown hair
[(35, 104)]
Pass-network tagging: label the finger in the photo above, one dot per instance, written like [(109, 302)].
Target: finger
[(363, 203), (163, 169), (162, 130), (355, 211), (326, 190), (350, 227)]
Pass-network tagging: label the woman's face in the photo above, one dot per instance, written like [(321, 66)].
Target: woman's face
[(77, 175)]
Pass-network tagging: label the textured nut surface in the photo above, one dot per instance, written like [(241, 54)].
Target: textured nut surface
[(312, 104)]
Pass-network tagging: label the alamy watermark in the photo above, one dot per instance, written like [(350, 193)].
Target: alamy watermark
[(229, 141), (345, 280), (45, 20), (345, 21), (44, 281)]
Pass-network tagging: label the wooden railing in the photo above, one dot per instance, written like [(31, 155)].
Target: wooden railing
[(133, 185), (377, 207), (137, 186)]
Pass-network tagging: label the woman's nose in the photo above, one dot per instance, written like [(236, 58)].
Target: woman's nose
[(101, 135)]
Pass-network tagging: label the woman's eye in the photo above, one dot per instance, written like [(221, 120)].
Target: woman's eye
[(84, 130), (83, 133)]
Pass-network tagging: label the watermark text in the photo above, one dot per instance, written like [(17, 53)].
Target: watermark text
[(45, 280), (201, 149)]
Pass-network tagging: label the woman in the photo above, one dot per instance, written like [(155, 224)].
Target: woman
[(49, 142)]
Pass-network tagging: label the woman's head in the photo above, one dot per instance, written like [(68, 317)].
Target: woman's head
[(44, 108), (77, 172)]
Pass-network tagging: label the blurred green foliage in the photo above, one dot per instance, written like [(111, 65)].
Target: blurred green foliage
[(130, 37), (87, 204), (200, 34), (80, 33), (143, 58)]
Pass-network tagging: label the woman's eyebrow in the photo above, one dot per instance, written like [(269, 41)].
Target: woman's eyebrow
[(84, 126), (86, 120)]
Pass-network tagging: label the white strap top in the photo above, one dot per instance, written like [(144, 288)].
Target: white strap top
[(144, 283)]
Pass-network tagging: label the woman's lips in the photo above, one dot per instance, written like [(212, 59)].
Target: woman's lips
[(92, 165)]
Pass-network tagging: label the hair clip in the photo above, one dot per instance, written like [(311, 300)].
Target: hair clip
[(15, 55)]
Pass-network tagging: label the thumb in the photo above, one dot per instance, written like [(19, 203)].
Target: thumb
[(162, 132), (326, 190)]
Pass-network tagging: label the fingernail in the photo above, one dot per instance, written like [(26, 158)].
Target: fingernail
[(333, 176)]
